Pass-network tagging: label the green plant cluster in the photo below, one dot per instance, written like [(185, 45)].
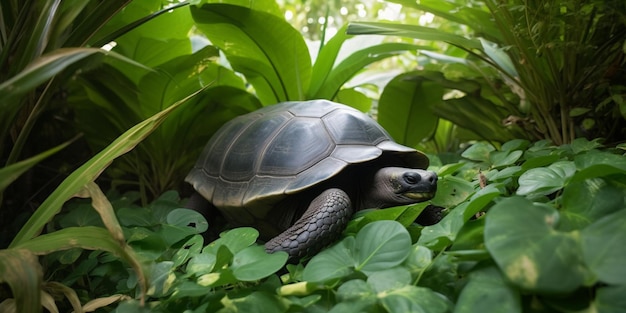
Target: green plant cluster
[(526, 69), (528, 228)]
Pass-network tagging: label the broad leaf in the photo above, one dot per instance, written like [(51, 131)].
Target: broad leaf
[(235, 240), (610, 299), (253, 263), (381, 245), (604, 250), (495, 294), (415, 299), (405, 108), (262, 46), (479, 151), (598, 164), (522, 240), (389, 279), (355, 63), (546, 180), (587, 201), (334, 262)]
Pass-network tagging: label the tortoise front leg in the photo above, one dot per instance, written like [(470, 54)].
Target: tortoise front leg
[(320, 225)]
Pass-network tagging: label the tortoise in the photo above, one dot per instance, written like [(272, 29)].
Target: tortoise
[(297, 171)]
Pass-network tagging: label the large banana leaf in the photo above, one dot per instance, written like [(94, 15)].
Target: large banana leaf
[(260, 45), (148, 40), (405, 108), (355, 63)]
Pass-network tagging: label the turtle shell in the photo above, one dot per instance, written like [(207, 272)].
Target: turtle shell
[(257, 159)]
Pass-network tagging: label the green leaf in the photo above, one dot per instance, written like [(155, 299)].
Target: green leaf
[(87, 237), (20, 269), (354, 98), (12, 172), (499, 57), (235, 240), (404, 108), (515, 144), (172, 234), (418, 260), (603, 248), (504, 158), (334, 262), (546, 180), (45, 68), (522, 240), (437, 277), (147, 39), (389, 279), (505, 173), (582, 144), (405, 215), (598, 164), (355, 296), (488, 285), (381, 245), (104, 208), (161, 277), (201, 263), (479, 151), (253, 263), (415, 299), (474, 17), (440, 235), (610, 299), (412, 31), (325, 61), (451, 191), (262, 46), (355, 63), (190, 248), (589, 200), (256, 302), (479, 115), (187, 218)]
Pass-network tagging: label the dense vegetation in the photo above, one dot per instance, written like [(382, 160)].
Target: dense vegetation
[(519, 104)]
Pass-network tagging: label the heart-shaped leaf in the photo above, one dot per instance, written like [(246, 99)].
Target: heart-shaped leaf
[(532, 254), (381, 245)]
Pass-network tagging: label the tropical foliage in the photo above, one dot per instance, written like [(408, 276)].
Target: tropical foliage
[(124, 94), (527, 69)]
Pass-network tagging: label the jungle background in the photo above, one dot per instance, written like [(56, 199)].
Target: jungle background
[(105, 105)]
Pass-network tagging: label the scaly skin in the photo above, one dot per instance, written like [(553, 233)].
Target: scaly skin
[(322, 223)]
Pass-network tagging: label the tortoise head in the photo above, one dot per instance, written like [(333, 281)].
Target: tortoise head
[(394, 186)]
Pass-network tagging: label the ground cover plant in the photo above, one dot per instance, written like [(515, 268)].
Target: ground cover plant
[(529, 228)]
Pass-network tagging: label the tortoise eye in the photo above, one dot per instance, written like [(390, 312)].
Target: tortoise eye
[(412, 178)]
